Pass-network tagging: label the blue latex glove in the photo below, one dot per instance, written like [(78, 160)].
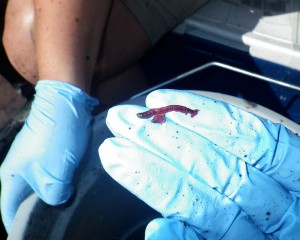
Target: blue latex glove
[(218, 175), (49, 147)]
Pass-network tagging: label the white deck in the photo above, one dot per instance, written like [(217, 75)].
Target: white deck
[(268, 30)]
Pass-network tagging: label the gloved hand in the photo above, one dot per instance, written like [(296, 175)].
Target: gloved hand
[(49, 147), (223, 174)]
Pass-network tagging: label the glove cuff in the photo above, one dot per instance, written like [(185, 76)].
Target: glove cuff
[(287, 159), (67, 91)]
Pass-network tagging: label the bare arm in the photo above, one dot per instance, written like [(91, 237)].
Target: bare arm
[(68, 35)]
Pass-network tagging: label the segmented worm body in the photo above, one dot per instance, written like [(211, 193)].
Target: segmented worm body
[(158, 114)]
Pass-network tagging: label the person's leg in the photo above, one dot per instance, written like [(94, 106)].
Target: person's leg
[(125, 38), (124, 42), (20, 40), (117, 73)]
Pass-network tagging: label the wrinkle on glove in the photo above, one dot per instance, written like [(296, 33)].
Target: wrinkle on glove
[(268, 146), (48, 149)]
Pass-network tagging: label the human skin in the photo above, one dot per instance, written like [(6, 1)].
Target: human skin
[(71, 41)]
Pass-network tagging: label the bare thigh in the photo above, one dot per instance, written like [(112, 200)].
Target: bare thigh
[(18, 39), (124, 41)]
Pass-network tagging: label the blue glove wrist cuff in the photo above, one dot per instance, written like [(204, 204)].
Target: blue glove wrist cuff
[(68, 91)]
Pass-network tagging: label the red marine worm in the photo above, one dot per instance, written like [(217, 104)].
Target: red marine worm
[(158, 114)]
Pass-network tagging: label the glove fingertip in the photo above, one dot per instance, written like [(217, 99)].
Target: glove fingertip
[(57, 194), (158, 229), (109, 154), (163, 228), (105, 152), (163, 97), (13, 191), (157, 95)]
